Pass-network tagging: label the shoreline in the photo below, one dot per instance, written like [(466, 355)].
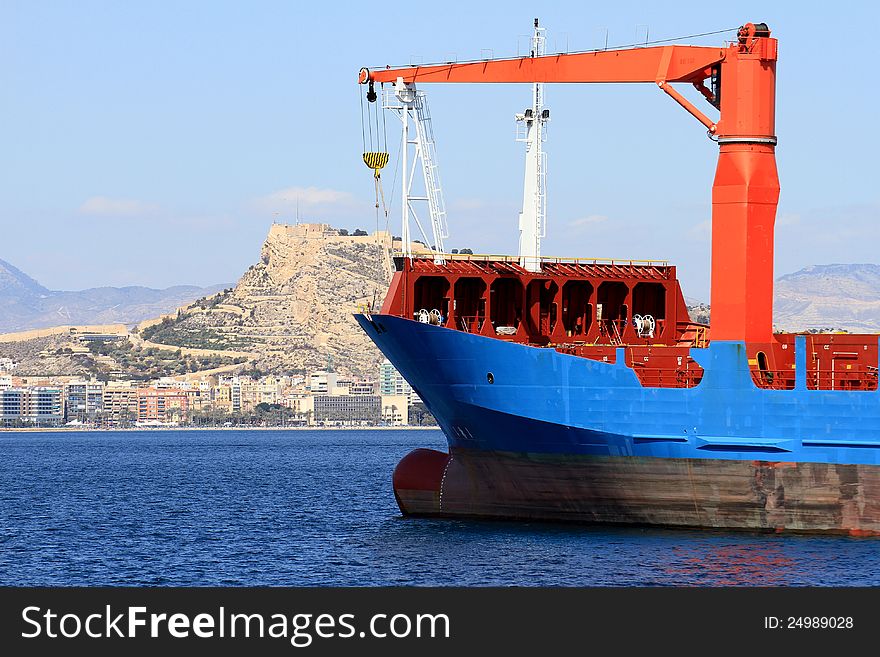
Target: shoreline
[(101, 429)]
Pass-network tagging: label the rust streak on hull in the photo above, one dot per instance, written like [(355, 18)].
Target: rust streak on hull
[(707, 493)]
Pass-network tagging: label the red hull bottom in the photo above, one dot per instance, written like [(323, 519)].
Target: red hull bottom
[(704, 493)]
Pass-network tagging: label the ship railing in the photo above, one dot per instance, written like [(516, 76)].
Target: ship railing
[(774, 379), (816, 379), (842, 379), (655, 377), (650, 377), (494, 257)]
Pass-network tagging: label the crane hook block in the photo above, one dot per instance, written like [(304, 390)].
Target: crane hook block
[(376, 161), (371, 93)]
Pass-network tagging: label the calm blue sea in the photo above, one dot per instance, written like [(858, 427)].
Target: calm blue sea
[(296, 508)]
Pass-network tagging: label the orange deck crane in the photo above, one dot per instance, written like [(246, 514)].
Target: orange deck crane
[(742, 86)]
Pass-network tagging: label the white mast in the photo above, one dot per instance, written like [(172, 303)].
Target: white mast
[(533, 219), (404, 205), (410, 102)]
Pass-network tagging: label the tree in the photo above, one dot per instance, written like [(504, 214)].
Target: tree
[(466, 251), (343, 232), (420, 415), (127, 417), (359, 233)]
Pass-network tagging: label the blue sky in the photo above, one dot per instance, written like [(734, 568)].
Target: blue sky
[(154, 143)]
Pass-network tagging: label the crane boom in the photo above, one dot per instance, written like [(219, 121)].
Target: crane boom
[(745, 192), (682, 64)]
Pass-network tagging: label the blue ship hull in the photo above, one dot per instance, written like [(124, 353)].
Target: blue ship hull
[(526, 418)]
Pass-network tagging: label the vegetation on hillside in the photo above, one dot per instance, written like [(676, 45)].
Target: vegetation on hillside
[(173, 331), (149, 363)]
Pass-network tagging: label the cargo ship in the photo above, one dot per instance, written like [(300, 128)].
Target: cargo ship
[(581, 390)]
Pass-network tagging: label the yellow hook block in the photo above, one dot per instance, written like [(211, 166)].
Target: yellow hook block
[(376, 161)]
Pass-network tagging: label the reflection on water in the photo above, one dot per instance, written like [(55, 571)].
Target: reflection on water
[(759, 563), (316, 508)]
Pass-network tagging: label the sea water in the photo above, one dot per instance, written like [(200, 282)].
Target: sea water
[(315, 508)]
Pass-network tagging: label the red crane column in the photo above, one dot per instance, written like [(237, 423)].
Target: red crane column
[(745, 192)]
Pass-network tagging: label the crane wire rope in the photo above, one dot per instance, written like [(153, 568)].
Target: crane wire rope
[(393, 186), (376, 158)]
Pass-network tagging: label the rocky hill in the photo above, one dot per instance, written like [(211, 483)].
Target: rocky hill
[(293, 309), (25, 304), (829, 296)]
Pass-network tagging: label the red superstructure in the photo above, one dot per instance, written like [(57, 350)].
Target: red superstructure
[(583, 307), (570, 300)]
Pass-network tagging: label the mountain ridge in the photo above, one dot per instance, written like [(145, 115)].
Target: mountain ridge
[(829, 296), (12, 277), (25, 304)]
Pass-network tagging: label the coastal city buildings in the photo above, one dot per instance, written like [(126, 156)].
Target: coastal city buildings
[(120, 403), (348, 408), (162, 405), (37, 405), (83, 400), (319, 398)]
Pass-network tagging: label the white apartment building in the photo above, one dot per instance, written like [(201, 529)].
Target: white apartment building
[(391, 382)]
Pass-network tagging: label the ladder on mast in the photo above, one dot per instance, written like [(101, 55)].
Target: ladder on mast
[(428, 153), (412, 104)]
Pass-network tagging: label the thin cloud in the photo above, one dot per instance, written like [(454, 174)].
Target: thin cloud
[(309, 199), (589, 220), (104, 206)]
